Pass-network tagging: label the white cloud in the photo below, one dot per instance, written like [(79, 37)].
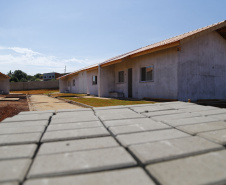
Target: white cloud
[(31, 62)]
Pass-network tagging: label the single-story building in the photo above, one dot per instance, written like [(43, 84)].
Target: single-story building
[(4, 84), (188, 66), (51, 76)]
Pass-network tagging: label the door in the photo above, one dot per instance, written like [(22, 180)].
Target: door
[(130, 87)]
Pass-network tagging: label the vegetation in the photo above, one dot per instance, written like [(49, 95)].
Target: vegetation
[(41, 91), (20, 76), (98, 102)]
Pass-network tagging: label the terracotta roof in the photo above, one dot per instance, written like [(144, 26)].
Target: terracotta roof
[(1, 74)]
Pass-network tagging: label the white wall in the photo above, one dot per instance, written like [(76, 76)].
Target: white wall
[(164, 84), (92, 89), (202, 68), (4, 84)]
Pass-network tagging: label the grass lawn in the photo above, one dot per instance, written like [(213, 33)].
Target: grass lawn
[(97, 102), (41, 91)]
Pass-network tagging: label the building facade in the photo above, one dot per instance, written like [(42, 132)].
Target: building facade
[(4, 84)]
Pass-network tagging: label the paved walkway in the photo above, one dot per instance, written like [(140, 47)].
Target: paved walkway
[(155, 144), (43, 102)]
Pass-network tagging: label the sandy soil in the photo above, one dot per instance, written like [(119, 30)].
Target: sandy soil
[(43, 102)]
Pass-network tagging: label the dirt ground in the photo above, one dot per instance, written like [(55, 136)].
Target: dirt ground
[(11, 108)]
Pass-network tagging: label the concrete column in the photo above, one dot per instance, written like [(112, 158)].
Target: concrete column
[(99, 80)]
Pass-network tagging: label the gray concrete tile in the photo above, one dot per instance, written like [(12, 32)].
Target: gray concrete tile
[(14, 170), (201, 169), (143, 137), (161, 113), (151, 108), (63, 115), (77, 145), (132, 176), (36, 112), (30, 117), (20, 130), (17, 151), (202, 127), (24, 124), (214, 111), (173, 148), (119, 116), (221, 117), (14, 139), (198, 108), (175, 116), (83, 161), (73, 110), (74, 134), (189, 121), (75, 119), (9, 183), (142, 127), (218, 136), (69, 126), (112, 123), (112, 111), (111, 107)]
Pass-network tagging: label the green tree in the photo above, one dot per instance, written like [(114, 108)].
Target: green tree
[(21, 76), (14, 79)]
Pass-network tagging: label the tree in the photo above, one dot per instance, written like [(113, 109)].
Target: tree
[(20, 75), (14, 79)]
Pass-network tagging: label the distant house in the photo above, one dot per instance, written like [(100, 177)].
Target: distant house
[(188, 66), (4, 84), (51, 76)]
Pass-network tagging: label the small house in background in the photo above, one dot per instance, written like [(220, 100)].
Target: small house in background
[(188, 66), (51, 76), (4, 84)]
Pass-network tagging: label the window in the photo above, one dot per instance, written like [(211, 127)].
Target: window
[(49, 76), (94, 79), (52, 76), (121, 76), (44, 76), (147, 73), (74, 82)]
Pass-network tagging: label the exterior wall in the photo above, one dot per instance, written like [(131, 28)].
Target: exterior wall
[(164, 84), (4, 85), (19, 86), (202, 68), (91, 88), (63, 85), (48, 76)]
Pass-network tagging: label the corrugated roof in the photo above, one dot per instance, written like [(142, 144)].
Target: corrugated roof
[(1, 74)]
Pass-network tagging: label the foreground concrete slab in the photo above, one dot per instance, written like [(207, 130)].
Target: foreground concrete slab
[(151, 108), (142, 127), (14, 139), (36, 112), (61, 115), (84, 161), (203, 127), (172, 149), (73, 110), (189, 121), (14, 170), (161, 113), (17, 151), (212, 112), (175, 116), (143, 137), (202, 169), (20, 130), (30, 117), (74, 119), (133, 176), (221, 117), (24, 124), (10, 183), (124, 122), (74, 134), (79, 125), (218, 136), (77, 145)]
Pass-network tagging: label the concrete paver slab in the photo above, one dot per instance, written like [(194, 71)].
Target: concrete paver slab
[(212, 112), (30, 117), (218, 136), (112, 123), (221, 117), (74, 119), (14, 170), (112, 111), (161, 113), (63, 115), (143, 137), (36, 112), (74, 134), (10, 183), (17, 151), (133, 176), (20, 138), (175, 116), (151, 108), (73, 110), (19, 130), (171, 149), (77, 145), (142, 127), (69, 126), (202, 169), (84, 161), (24, 124), (189, 121), (198, 108), (119, 116), (202, 127)]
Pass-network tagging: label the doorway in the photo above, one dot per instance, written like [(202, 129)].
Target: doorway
[(130, 83)]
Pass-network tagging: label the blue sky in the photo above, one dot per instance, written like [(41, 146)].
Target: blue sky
[(45, 35)]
